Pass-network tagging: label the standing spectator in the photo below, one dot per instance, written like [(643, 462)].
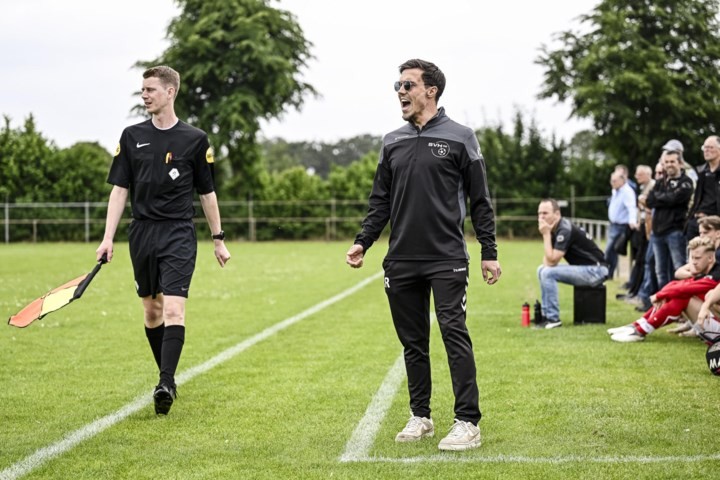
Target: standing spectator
[(562, 239), (669, 200), (622, 213), (677, 146), (639, 239), (649, 283), (428, 169), (626, 173), (707, 193)]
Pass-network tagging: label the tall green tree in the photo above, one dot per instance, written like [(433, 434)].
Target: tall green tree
[(24, 154), (643, 71), (240, 61)]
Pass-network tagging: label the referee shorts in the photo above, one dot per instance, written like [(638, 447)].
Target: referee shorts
[(163, 256)]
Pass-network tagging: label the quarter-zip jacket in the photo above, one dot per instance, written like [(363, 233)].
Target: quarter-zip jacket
[(422, 184), (670, 198)]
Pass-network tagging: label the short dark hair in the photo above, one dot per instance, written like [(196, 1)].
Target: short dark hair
[(554, 203), (432, 76)]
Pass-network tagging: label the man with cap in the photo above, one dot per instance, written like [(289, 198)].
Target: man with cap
[(707, 192)]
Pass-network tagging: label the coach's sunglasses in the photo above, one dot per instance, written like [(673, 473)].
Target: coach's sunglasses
[(407, 85)]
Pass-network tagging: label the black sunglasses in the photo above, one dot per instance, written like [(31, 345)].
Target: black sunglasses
[(407, 85)]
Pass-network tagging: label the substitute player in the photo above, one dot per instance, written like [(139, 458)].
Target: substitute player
[(159, 163), (428, 170)]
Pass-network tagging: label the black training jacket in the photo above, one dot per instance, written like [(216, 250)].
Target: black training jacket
[(669, 200), (422, 184)]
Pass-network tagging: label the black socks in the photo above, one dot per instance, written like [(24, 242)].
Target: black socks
[(155, 338), (172, 344)]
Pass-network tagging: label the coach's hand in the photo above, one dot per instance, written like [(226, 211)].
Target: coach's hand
[(354, 256), (491, 271)]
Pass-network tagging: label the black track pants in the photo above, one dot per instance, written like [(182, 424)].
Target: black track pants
[(408, 286)]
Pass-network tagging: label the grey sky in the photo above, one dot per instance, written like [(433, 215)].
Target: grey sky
[(70, 63)]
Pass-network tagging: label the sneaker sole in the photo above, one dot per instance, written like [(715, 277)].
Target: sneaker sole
[(399, 439), (163, 402), (460, 447)]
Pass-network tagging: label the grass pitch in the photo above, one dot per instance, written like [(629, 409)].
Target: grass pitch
[(564, 403)]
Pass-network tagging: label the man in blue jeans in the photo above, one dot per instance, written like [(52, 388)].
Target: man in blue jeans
[(561, 239), (669, 200)]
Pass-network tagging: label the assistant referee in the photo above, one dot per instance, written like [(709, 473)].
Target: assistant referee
[(159, 163), (428, 170)]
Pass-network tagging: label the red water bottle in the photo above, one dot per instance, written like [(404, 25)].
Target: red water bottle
[(525, 315)]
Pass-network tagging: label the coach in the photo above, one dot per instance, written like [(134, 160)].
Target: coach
[(428, 170)]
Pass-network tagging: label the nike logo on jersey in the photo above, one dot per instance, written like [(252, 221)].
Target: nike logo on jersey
[(140, 145)]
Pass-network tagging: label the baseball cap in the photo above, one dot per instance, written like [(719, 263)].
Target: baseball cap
[(673, 146)]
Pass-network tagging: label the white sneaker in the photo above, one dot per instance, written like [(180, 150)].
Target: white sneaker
[(623, 329), (622, 337), (416, 429), (462, 436)]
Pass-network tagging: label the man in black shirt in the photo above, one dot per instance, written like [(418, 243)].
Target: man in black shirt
[(707, 197), (562, 239), (428, 170), (159, 163), (669, 199)]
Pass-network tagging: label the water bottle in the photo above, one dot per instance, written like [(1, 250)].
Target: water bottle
[(525, 315), (538, 313)]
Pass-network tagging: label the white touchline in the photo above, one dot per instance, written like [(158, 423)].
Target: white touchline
[(358, 446), (31, 462)]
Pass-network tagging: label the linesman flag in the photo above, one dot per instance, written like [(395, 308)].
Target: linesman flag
[(55, 299)]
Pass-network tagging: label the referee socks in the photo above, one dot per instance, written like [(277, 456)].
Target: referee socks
[(172, 345), (155, 338)]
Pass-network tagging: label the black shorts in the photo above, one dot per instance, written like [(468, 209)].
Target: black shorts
[(163, 257)]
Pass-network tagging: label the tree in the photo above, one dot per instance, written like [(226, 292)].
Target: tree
[(239, 61), (24, 154), (321, 157), (644, 71)]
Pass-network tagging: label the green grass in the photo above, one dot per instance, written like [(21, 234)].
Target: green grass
[(287, 406)]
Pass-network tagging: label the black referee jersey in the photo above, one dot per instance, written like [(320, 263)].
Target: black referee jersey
[(422, 183), (161, 168)]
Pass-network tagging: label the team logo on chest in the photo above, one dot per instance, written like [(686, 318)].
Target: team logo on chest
[(439, 149)]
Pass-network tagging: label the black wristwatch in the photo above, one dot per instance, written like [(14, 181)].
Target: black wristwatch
[(219, 236)]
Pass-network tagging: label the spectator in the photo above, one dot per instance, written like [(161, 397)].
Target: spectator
[(677, 146), (623, 169), (562, 239), (706, 200), (669, 200), (622, 213), (639, 238), (670, 302), (649, 281), (709, 228)]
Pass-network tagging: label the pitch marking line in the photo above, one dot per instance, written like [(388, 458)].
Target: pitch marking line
[(43, 455), (358, 447)]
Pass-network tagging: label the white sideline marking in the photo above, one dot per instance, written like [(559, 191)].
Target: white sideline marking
[(31, 462), (362, 438), (459, 458), (358, 446)]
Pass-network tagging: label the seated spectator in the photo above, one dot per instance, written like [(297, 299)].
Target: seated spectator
[(706, 313), (670, 302), (562, 239), (709, 228)]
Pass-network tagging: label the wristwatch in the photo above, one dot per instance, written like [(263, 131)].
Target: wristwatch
[(219, 236)]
